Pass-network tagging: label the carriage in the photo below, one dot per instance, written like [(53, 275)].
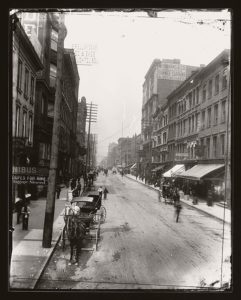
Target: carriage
[(83, 216)]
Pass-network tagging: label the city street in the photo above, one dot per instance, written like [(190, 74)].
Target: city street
[(142, 247)]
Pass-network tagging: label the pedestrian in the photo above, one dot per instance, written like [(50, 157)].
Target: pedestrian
[(78, 187), (159, 194), (178, 208), (176, 197), (25, 214), (100, 190), (58, 190), (105, 192), (18, 208), (194, 196)]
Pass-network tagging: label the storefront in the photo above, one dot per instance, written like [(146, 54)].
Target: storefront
[(205, 177)]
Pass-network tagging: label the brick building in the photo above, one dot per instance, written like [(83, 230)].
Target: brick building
[(26, 63)]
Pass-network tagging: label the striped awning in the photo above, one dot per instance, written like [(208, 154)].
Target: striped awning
[(133, 167), (199, 171), (173, 172)]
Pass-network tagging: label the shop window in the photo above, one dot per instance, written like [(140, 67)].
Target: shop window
[(42, 107), (50, 110)]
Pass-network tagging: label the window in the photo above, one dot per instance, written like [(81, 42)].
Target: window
[(217, 84), (197, 95), (53, 73), (215, 114), (224, 80), (32, 90), (30, 130), (223, 111), (204, 93), (50, 110), (222, 145), (193, 97), (193, 123), (17, 120), (209, 118), (54, 39), (20, 70), (210, 85), (203, 119), (208, 147), (164, 138), (26, 81), (184, 127), (197, 119), (41, 150), (24, 123), (215, 146), (42, 108), (189, 123)]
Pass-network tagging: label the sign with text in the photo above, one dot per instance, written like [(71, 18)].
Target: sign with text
[(85, 54), (30, 175)]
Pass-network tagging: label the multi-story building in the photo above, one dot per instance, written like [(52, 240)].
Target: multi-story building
[(160, 137), (161, 79), (124, 145), (26, 64), (198, 123), (45, 27)]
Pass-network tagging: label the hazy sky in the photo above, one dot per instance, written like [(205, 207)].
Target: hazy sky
[(126, 44)]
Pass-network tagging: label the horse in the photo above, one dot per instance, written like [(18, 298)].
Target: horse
[(76, 233)]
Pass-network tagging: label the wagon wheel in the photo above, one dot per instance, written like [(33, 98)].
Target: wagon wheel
[(102, 214), (97, 235), (63, 237)]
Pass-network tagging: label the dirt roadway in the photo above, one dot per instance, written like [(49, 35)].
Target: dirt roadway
[(142, 247)]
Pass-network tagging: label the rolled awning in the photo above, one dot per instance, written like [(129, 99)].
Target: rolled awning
[(199, 171), (158, 168), (133, 167), (174, 171)]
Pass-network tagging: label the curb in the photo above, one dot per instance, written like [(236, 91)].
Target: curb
[(46, 262), (211, 215)]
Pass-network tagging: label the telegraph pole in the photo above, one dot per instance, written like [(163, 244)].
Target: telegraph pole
[(50, 203), (92, 118)]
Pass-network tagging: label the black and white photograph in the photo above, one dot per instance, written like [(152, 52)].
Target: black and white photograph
[(121, 150)]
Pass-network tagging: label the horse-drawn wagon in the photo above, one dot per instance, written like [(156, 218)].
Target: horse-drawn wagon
[(82, 216)]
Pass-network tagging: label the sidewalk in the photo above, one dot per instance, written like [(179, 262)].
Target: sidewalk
[(28, 256), (214, 211)]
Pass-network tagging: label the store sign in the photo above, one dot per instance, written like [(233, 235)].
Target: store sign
[(181, 156), (30, 175)]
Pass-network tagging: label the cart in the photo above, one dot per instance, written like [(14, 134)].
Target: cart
[(88, 215)]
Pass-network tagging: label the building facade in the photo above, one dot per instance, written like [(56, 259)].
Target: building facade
[(26, 64), (161, 79)]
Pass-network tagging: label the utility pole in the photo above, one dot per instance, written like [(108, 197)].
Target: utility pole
[(50, 203), (92, 118)]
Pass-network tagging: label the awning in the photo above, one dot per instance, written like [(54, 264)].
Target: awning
[(133, 167), (177, 169), (199, 171), (158, 168)]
